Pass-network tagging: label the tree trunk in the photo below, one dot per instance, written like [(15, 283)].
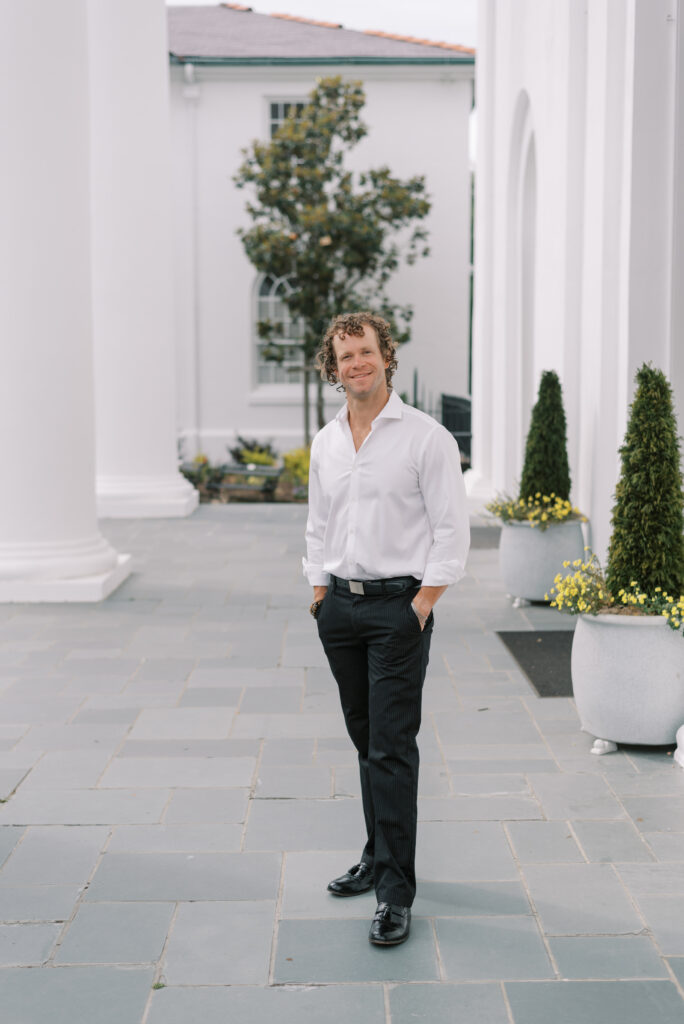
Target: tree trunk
[(320, 408), (307, 409)]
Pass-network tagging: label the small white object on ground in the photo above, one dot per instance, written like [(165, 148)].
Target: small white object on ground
[(679, 752), (604, 747)]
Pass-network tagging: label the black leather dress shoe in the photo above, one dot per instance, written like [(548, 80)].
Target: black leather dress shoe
[(391, 925), (357, 880)]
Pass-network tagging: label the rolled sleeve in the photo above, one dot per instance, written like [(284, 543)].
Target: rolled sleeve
[(315, 527), (443, 490)]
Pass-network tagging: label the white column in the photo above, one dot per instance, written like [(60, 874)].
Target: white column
[(652, 167), (677, 274), (605, 285), (479, 479), (50, 548), (137, 464)]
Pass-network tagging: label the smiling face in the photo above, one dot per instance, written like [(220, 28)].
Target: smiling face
[(360, 364)]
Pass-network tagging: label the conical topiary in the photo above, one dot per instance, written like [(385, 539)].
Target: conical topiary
[(647, 544), (546, 469)]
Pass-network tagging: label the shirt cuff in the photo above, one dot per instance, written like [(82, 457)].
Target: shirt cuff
[(315, 574), (442, 574)]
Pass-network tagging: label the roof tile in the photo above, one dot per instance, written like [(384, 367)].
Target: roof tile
[(307, 21), (236, 32)]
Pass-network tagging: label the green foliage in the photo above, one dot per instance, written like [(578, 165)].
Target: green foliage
[(248, 450), (203, 475), (546, 469), (647, 544), (256, 458), (332, 233), (297, 463)]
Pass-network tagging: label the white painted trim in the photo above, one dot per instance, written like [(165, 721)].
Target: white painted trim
[(350, 72)]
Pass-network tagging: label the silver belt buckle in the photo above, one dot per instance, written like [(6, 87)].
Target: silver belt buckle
[(356, 587)]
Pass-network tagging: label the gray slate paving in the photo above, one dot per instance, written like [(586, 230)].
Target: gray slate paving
[(325, 1004), (116, 933), (487, 948), (335, 951), (457, 1004), (576, 1002), (184, 789), (220, 944), (66, 994)]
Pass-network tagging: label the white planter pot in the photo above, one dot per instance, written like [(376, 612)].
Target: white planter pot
[(628, 678), (531, 558)]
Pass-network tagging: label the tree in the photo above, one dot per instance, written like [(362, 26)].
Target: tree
[(546, 469), (336, 236), (647, 544)]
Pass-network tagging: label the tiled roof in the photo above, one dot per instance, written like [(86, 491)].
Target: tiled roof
[(235, 32)]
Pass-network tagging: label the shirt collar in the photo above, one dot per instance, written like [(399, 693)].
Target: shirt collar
[(392, 410)]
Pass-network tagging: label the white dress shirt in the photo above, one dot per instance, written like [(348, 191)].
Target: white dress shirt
[(397, 507)]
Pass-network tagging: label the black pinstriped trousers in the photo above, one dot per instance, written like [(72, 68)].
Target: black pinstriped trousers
[(379, 656)]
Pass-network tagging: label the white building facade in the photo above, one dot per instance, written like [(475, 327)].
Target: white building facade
[(232, 73), (579, 242)]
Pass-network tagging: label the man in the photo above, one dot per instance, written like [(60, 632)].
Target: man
[(387, 532)]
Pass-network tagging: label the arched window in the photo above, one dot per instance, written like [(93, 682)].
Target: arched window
[(271, 308)]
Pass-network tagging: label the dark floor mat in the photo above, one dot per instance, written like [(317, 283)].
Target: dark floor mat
[(544, 657)]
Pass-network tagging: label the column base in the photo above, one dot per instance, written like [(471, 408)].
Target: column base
[(83, 588), (165, 497)]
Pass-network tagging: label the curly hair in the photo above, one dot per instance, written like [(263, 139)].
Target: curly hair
[(353, 324)]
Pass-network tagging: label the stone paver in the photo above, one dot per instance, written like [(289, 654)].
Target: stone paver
[(458, 1004), (179, 787), (325, 1004), (116, 933), (216, 943), (65, 994)]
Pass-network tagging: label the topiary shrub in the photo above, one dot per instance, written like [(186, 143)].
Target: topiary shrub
[(647, 544), (546, 469)]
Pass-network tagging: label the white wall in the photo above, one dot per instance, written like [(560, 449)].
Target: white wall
[(595, 86), (418, 121)]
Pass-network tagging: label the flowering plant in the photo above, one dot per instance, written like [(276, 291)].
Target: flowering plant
[(584, 592), (540, 510), (296, 463)]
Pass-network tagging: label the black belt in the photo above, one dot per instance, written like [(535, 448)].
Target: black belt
[(372, 588)]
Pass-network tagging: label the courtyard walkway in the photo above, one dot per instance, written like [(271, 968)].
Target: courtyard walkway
[(180, 788)]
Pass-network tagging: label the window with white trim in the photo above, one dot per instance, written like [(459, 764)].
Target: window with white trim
[(286, 335), (279, 111)]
